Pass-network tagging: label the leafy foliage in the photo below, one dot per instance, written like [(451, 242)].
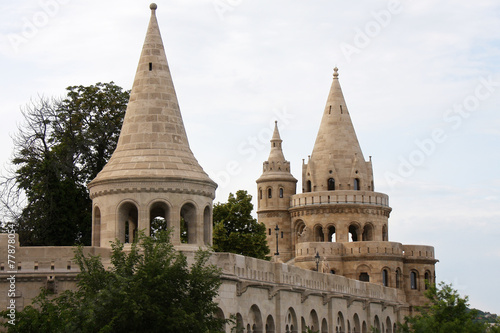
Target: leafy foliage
[(445, 312), (149, 288), (236, 231), (61, 146)]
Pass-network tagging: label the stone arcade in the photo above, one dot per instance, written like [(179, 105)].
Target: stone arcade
[(364, 279)]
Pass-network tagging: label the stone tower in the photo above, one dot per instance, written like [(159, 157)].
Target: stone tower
[(339, 224), (275, 187), (152, 181)]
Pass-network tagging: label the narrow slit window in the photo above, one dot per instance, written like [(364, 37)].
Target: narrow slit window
[(341, 112), (150, 66)]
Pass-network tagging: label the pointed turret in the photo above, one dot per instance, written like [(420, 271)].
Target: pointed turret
[(337, 162), (276, 167), (275, 187), (153, 141)]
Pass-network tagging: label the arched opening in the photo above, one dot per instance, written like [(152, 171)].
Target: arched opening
[(255, 319), (385, 235), (331, 234), (348, 326), (314, 320), (364, 276), (368, 232), (364, 327), (413, 280), (158, 218), (269, 193), (308, 186), (220, 314), (240, 328), (303, 325), (270, 327), (301, 234), (188, 224), (357, 185), (376, 323), (398, 278), (281, 192), (340, 323), (331, 184), (291, 321), (318, 234), (96, 232), (388, 325), (324, 326), (356, 324), (427, 278), (353, 233), (127, 222), (207, 225), (385, 277), (260, 193)]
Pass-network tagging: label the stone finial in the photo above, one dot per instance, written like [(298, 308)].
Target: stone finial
[(335, 73), (153, 6)]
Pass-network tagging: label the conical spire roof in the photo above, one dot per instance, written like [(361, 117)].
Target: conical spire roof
[(276, 167), (153, 142), (337, 153)]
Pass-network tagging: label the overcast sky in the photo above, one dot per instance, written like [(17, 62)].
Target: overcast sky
[(421, 80)]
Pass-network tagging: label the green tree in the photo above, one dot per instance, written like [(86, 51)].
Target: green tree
[(236, 231), (59, 148), (149, 288), (445, 312)]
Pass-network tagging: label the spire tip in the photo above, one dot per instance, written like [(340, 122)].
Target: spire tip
[(335, 72), (153, 6)]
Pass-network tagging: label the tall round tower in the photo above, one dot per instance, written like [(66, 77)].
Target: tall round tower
[(338, 204), (152, 181), (274, 188)]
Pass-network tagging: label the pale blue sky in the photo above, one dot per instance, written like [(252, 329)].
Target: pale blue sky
[(421, 80)]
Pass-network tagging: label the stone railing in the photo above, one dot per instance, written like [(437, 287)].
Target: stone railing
[(271, 274), (348, 249), (339, 197)]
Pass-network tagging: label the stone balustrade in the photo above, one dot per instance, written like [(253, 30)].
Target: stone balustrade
[(339, 197)]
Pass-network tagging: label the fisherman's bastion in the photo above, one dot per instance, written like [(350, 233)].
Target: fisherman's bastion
[(334, 269)]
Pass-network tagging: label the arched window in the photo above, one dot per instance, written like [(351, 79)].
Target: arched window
[(188, 224), (385, 278), (207, 226), (398, 278), (158, 218), (427, 278), (363, 276), (269, 193), (413, 280), (308, 186), (368, 232), (353, 233), (357, 186), (96, 232), (128, 217), (385, 236), (281, 192), (260, 193), (331, 184), (331, 234)]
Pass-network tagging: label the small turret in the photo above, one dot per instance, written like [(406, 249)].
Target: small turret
[(274, 188)]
